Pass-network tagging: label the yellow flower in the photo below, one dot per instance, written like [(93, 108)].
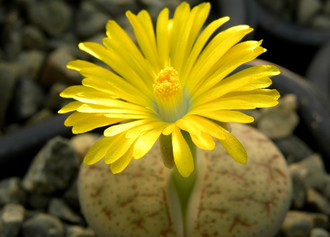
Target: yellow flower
[(173, 82)]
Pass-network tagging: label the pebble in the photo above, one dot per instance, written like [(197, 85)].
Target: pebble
[(54, 101), (117, 7), (55, 68), (326, 187), (90, 20), (33, 37), (43, 225), (9, 73), (78, 231), (38, 201), (31, 63), (280, 121), (40, 116), (307, 9), (71, 195), (297, 224), (318, 232), (27, 100), (293, 148), (299, 192), (318, 202), (53, 168), (321, 21), (12, 217), (58, 207), (11, 191), (53, 17), (310, 171)]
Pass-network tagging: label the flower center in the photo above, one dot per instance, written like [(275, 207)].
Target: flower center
[(168, 94)]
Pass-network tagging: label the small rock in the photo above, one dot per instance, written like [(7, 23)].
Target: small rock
[(280, 121), (54, 100), (11, 35), (11, 191), (12, 217), (33, 38), (38, 201), (55, 68), (53, 168), (117, 7), (317, 201), (71, 195), (31, 63), (27, 100), (293, 148), (78, 231), (83, 142), (40, 116), (297, 224), (326, 189), (43, 225), (57, 207), (310, 171), (90, 20), (9, 73), (321, 21), (52, 16), (327, 7), (299, 192), (318, 232), (319, 220), (307, 9)]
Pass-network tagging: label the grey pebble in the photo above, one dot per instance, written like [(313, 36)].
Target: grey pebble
[(78, 231), (297, 224), (43, 225), (33, 38), (319, 232), (55, 68), (31, 62), (53, 17), (311, 171), (12, 217), (9, 73), (53, 168), (318, 202), (27, 100), (58, 207), (90, 20), (11, 191)]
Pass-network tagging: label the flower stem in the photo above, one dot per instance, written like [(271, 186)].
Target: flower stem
[(184, 186)]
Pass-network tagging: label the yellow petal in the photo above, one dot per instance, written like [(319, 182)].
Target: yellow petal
[(114, 130), (144, 128), (198, 46), (163, 43), (145, 142), (118, 148), (145, 36), (116, 63), (234, 147), (97, 121), (169, 129), (71, 91), (228, 116), (116, 83), (120, 164), (213, 52), (72, 106), (240, 79), (80, 64), (188, 125), (203, 141), (182, 155), (98, 150), (92, 108), (205, 125)]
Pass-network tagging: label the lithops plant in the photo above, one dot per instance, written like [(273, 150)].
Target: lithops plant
[(228, 199)]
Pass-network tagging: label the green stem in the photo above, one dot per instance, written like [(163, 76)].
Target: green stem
[(184, 186)]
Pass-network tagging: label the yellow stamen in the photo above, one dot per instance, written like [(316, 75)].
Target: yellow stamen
[(168, 94)]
